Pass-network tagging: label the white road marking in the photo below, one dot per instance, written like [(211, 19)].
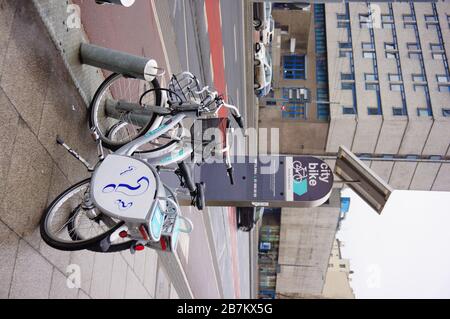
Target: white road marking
[(235, 43), (158, 26), (223, 56), (175, 8), (185, 37), (206, 16)]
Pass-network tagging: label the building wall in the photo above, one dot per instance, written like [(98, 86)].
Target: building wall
[(337, 281), (306, 239), (297, 136), (386, 133)]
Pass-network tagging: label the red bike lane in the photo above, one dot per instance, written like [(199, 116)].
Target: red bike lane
[(216, 46), (134, 30)]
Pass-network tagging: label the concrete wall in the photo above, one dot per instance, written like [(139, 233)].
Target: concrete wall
[(306, 239)]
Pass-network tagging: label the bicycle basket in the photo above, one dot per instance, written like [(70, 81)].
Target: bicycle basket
[(185, 87)]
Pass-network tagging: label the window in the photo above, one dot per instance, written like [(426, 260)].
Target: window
[(345, 45), (386, 18), (372, 111), (348, 110), (271, 103), (409, 25), (387, 25), (342, 16), (341, 266), (367, 45), (437, 56), (446, 112), (371, 87), (370, 77), (389, 46), (394, 77), (412, 157), (347, 76), (435, 157), (395, 87), (323, 111), (294, 67), (320, 39), (343, 53), (321, 70), (422, 112), (343, 24), (365, 24), (294, 111), (322, 95), (414, 55), (368, 55), (347, 85), (444, 88), (419, 87), (436, 47), (430, 18), (408, 18), (442, 78), (398, 111), (432, 25), (418, 78), (391, 55), (412, 46)]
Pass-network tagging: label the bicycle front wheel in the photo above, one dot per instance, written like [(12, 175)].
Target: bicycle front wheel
[(117, 127)]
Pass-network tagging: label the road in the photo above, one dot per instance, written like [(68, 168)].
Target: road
[(217, 261), (219, 65)]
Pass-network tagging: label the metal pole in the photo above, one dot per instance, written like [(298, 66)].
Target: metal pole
[(128, 112), (119, 62), (125, 3)]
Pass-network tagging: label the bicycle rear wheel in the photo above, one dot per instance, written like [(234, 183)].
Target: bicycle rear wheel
[(68, 225), (115, 127)]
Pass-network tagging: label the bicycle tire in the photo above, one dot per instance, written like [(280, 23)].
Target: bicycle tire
[(69, 246), (94, 109)]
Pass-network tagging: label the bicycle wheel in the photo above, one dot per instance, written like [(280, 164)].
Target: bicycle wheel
[(105, 117), (68, 225)]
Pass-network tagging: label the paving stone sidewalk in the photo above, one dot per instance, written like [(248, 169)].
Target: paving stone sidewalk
[(38, 100)]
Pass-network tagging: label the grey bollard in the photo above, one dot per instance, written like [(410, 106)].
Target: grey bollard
[(125, 3), (119, 62), (139, 115)]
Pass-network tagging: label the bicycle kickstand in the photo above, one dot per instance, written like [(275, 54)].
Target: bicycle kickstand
[(60, 141)]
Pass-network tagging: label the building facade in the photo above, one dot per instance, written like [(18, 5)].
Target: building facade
[(337, 281), (390, 80), (378, 80)]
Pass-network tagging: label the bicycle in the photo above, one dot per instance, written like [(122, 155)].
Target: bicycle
[(114, 201)]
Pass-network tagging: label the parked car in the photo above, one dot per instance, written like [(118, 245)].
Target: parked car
[(266, 33), (263, 70), (261, 13), (247, 217)]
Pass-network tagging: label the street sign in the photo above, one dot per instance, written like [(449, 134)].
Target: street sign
[(270, 181), (362, 180)]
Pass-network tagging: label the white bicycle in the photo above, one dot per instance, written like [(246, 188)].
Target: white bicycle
[(125, 205)]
